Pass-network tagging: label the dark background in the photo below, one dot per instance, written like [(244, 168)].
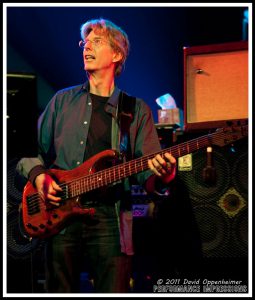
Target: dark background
[(44, 41)]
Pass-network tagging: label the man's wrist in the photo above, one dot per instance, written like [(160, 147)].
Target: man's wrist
[(34, 172)]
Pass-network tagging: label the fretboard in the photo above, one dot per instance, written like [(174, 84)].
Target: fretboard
[(116, 173)]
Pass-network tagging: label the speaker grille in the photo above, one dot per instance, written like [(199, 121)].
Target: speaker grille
[(240, 233), (202, 192), (14, 195), (221, 210), (240, 174), (18, 246), (214, 230)]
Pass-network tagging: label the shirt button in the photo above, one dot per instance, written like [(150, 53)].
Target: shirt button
[(81, 142), (85, 122), (89, 103), (77, 162)]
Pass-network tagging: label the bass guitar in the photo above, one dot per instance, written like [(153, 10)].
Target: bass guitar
[(42, 219)]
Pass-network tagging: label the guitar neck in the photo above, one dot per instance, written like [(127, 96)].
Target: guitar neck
[(117, 173)]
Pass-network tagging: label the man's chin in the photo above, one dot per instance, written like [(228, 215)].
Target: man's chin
[(88, 70)]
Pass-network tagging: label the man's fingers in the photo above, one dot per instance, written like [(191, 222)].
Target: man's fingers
[(170, 158), (151, 164), (52, 197), (162, 165), (56, 186), (54, 203)]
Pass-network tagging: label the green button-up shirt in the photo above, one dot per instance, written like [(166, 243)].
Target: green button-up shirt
[(63, 131)]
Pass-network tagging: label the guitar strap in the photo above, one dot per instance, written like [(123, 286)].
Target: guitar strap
[(126, 111), (125, 116)]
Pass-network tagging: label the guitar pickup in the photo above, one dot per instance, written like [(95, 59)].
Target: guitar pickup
[(33, 205)]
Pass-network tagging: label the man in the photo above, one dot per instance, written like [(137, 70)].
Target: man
[(78, 123)]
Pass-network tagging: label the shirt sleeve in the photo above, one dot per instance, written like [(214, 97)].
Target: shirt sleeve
[(146, 141), (23, 169)]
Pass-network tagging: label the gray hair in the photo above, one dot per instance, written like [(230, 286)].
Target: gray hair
[(117, 37)]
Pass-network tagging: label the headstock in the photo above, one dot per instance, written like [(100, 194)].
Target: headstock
[(228, 135)]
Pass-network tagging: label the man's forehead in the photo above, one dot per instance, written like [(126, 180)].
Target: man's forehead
[(96, 33)]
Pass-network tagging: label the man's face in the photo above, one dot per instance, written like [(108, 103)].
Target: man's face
[(98, 55)]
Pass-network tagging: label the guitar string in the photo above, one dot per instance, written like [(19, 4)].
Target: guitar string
[(134, 167), (133, 164), (87, 181)]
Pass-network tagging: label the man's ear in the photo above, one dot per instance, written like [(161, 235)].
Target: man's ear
[(117, 56)]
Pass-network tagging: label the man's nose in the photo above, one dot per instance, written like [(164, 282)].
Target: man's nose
[(88, 45)]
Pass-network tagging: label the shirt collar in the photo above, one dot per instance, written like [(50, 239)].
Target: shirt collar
[(113, 100)]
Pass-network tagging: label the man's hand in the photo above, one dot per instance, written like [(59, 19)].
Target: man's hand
[(163, 167), (48, 188)]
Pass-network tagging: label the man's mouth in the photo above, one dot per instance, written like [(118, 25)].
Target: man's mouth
[(89, 57)]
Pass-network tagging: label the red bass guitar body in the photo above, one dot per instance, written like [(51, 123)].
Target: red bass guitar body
[(42, 219)]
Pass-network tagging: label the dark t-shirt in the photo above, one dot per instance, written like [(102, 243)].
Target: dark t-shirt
[(99, 135), (99, 139)]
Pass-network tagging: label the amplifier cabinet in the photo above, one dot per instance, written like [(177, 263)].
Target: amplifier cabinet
[(215, 85)]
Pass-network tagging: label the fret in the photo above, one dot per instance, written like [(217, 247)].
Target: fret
[(142, 168), (110, 173), (141, 165), (91, 183), (119, 172), (105, 178), (184, 149), (197, 144), (86, 184), (118, 169), (95, 182), (74, 189), (81, 185), (77, 188), (172, 152), (137, 166), (179, 152), (122, 171), (188, 150), (114, 174), (129, 167), (99, 180)]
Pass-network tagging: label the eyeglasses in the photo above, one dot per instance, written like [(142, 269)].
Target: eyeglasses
[(96, 43)]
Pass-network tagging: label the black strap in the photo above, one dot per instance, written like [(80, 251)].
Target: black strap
[(126, 111)]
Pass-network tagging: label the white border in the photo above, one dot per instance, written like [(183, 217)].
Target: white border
[(126, 4), (5, 6)]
